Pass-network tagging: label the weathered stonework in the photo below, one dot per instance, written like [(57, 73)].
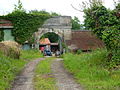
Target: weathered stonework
[(61, 25), (75, 40)]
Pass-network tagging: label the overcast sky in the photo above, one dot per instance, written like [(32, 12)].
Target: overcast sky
[(62, 7)]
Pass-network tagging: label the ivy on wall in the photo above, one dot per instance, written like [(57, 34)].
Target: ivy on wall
[(25, 24)]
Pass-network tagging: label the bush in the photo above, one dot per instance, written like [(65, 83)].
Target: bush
[(79, 51)]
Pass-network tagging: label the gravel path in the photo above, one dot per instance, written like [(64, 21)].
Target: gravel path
[(24, 80), (64, 79)]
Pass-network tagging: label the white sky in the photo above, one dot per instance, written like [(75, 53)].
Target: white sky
[(62, 7)]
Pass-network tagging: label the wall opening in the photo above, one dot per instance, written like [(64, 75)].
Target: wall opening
[(52, 40)]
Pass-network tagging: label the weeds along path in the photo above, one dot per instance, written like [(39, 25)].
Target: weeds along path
[(24, 80), (64, 79)]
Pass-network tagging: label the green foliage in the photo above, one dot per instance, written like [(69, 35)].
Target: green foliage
[(79, 51), (52, 37), (44, 79), (76, 24), (9, 67), (43, 12), (105, 24), (19, 6), (91, 70), (55, 14), (25, 25), (30, 54)]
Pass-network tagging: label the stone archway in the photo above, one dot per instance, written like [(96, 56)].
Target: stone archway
[(60, 25), (42, 31)]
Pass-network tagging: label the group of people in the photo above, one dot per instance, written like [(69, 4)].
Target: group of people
[(46, 50)]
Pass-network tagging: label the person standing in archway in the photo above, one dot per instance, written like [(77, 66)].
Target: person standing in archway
[(42, 49)]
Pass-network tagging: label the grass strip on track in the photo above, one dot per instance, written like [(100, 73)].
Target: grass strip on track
[(44, 79)]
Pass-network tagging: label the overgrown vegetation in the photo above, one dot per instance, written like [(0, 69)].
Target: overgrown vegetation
[(53, 37), (92, 72), (9, 67), (76, 25), (30, 54), (44, 79), (25, 24), (105, 23)]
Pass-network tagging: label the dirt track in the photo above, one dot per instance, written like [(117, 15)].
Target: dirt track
[(64, 79), (24, 80)]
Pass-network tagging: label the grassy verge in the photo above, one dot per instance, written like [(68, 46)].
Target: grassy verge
[(44, 79), (30, 54), (9, 67), (91, 72)]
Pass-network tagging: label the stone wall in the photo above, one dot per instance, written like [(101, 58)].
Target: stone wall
[(61, 25)]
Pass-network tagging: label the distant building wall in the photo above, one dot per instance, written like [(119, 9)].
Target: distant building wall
[(7, 27), (84, 40)]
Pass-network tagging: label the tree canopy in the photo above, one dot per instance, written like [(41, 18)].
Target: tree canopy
[(76, 24), (105, 23)]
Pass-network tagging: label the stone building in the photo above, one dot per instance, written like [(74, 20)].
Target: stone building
[(60, 25), (74, 39)]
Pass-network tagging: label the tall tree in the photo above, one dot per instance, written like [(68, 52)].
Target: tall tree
[(105, 23), (19, 6), (76, 24)]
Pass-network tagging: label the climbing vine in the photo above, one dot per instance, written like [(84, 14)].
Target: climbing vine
[(25, 24)]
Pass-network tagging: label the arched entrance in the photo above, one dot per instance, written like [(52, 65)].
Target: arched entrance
[(51, 39), (60, 25)]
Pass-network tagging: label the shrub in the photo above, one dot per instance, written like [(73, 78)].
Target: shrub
[(79, 51)]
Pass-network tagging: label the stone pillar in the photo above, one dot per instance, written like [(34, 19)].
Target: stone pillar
[(67, 34)]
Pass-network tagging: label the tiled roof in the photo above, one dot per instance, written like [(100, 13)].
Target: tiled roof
[(44, 41), (5, 23), (84, 40)]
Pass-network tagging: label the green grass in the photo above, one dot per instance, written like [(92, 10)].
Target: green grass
[(44, 79), (91, 71), (9, 67), (30, 54)]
